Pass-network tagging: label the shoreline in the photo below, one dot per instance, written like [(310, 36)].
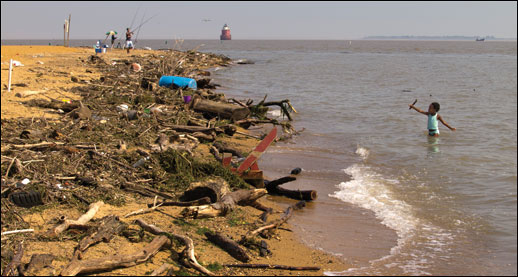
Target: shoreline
[(288, 249)]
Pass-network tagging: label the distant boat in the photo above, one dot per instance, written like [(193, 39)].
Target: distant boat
[(480, 39), (225, 33)]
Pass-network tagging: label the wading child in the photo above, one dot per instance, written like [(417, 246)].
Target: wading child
[(433, 116)]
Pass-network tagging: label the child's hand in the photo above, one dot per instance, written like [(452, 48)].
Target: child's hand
[(410, 105), (453, 129)]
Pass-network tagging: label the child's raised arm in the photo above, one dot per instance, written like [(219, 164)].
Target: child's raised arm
[(445, 124), (421, 111)]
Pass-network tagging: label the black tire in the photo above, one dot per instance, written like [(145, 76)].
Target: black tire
[(26, 199)]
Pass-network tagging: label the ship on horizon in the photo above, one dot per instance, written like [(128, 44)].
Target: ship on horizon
[(225, 33)]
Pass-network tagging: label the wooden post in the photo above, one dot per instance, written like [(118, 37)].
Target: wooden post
[(68, 30), (65, 34), (10, 73)]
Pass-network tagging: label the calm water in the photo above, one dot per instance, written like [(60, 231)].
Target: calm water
[(391, 200)]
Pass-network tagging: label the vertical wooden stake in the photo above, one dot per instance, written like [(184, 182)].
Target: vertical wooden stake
[(65, 34), (68, 30), (10, 73)]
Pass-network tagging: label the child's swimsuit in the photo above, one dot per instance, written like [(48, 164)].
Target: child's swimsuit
[(433, 127)]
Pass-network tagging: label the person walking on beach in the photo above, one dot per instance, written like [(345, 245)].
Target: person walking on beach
[(433, 116), (129, 43)]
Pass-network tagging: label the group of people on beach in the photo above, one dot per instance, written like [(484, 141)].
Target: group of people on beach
[(129, 42)]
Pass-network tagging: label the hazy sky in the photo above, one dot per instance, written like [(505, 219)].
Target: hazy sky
[(259, 20)]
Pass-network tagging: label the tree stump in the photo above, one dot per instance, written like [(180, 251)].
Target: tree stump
[(214, 188)]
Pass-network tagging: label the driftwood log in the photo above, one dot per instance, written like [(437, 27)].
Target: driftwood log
[(82, 220), (228, 245), (188, 252), (273, 188), (223, 110), (197, 202), (115, 261), (227, 203)]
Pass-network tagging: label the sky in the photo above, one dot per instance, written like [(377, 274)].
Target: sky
[(258, 20)]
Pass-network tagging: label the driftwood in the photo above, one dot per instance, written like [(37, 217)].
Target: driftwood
[(272, 266), (227, 129), (223, 110), (214, 188), (225, 149), (197, 202), (273, 188), (163, 268), (188, 252), (53, 104), (109, 226), (147, 210), (146, 191), (287, 214), (228, 245), (115, 261), (82, 220), (228, 202)]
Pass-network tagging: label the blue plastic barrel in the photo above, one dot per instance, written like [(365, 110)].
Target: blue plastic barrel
[(182, 82)]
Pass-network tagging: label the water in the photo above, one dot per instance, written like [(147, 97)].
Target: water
[(391, 200)]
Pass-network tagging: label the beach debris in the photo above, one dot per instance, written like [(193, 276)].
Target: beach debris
[(276, 223), (229, 245), (26, 93), (227, 203), (17, 63), (274, 189), (136, 67), (26, 199), (189, 257), (296, 171), (108, 263), (223, 110), (82, 220)]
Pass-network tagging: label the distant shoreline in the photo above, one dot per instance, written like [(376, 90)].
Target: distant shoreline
[(46, 41)]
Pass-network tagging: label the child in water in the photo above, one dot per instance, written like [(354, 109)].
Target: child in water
[(433, 116)]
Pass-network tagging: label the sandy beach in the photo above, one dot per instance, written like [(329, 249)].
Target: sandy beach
[(55, 72)]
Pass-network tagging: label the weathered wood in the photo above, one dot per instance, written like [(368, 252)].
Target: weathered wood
[(273, 188), (197, 202), (276, 223), (228, 245), (115, 261), (273, 266), (146, 191), (228, 202), (307, 195), (53, 104), (188, 252), (225, 149), (94, 207), (214, 188), (108, 227), (223, 110)]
